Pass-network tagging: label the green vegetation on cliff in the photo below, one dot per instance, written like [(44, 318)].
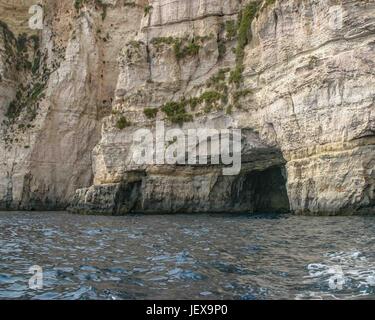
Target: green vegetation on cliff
[(176, 112), (182, 47), (151, 113), (244, 36), (122, 123)]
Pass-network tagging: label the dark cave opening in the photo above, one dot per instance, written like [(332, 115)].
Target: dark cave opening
[(256, 192), (264, 191), (270, 193)]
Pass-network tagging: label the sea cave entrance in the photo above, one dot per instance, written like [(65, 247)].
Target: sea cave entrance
[(263, 191)]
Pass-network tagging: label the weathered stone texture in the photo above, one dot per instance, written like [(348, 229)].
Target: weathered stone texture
[(305, 102)]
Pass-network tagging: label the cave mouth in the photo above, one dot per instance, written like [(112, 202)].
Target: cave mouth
[(255, 192), (265, 191)]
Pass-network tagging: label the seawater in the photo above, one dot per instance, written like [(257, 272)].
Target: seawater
[(192, 256)]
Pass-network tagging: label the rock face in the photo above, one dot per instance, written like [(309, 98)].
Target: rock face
[(297, 77), (15, 13), (54, 121)]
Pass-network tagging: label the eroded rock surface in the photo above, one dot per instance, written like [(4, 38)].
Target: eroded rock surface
[(296, 76)]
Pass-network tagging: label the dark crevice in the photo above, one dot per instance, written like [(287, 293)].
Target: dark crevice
[(263, 191)]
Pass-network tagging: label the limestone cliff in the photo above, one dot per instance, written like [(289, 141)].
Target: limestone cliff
[(53, 122), (297, 76)]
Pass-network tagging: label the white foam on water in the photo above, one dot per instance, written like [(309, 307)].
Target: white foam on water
[(342, 274)]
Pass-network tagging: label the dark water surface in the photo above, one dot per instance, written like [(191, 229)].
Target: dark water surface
[(187, 256)]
